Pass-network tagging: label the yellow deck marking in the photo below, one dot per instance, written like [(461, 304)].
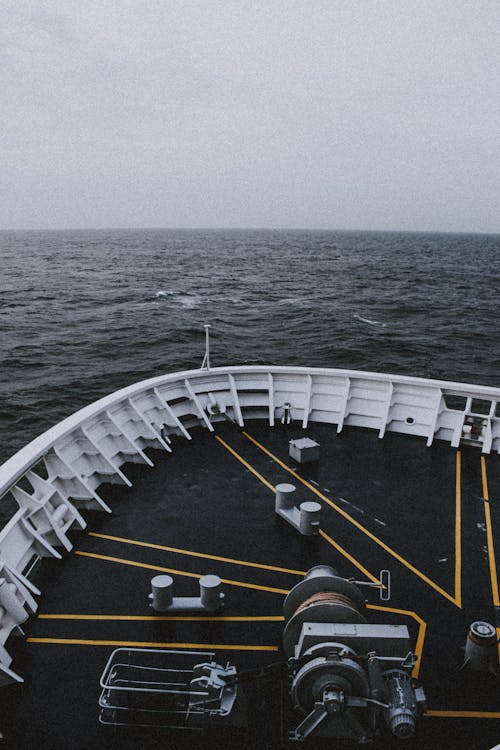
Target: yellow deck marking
[(349, 557), (152, 644), (273, 489), (422, 628), (160, 568), (203, 555), (245, 463), (352, 520), (465, 714), (165, 618), (458, 533), (237, 647), (489, 536)]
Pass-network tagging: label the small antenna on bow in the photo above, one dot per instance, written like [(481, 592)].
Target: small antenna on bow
[(206, 359)]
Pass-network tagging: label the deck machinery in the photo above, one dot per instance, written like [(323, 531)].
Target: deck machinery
[(347, 679)]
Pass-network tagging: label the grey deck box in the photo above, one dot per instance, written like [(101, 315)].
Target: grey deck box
[(304, 450)]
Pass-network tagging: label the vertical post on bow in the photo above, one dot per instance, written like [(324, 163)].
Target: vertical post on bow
[(206, 358)]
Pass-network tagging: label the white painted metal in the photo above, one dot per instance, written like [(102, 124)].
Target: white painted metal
[(196, 401), (126, 426), (307, 403), (488, 437), (171, 413), (149, 425), (354, 397), (64, 478), (161, 595), (206, 358), (162, 599), (310, 515), (439, 405), (345, 404), (105, 455), (387, 410), (16, 605), (270, 386), (89, 447), (236, 401), (284, 497), (50, 513), (211, 596)]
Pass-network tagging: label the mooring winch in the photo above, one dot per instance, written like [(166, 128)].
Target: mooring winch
[(349, 677)]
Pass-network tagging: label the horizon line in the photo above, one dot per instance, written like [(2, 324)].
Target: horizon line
[(244, 229)]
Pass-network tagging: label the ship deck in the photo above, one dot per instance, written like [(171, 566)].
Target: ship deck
[(427, 514)]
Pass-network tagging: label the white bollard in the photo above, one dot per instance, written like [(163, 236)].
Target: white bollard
[(284, 497), (161, 592), (310, 513), (210, 593)]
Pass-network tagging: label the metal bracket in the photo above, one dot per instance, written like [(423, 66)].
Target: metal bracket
[(383, 584)]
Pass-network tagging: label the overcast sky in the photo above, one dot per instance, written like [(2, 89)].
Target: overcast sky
[(380, 114)]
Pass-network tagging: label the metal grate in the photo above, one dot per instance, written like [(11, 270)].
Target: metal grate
[(159, 687)]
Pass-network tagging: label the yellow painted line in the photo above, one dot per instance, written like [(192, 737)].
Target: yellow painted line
[(203, 555), (160, 568), (458, 532), (358, 525), (422, 628), (164, 618), (346, 554), (465, 714), (489, 536), (273, 489), (484, 478), (153, 644), (245, 463)]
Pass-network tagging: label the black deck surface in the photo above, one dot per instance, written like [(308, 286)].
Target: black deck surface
[(420, 512)]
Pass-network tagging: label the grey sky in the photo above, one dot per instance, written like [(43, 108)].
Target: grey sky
[(327, 114)]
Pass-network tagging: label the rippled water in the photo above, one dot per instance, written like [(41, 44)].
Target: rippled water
[(85, 313)]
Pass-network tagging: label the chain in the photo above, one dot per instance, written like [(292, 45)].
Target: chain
[(277, 668)]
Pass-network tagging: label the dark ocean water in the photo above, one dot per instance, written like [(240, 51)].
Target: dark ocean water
[(83, 313)]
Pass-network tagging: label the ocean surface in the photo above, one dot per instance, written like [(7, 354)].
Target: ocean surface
[(83, 313)]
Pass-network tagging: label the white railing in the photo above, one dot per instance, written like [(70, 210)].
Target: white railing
[(60, 471)]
